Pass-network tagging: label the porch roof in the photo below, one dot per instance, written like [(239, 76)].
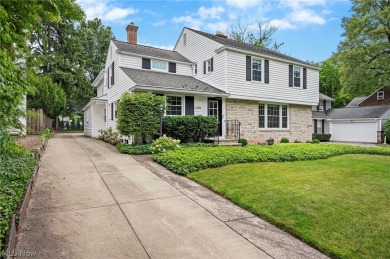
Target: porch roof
[(153, 81)]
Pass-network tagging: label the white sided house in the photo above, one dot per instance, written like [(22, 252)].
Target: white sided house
[(254, 92)]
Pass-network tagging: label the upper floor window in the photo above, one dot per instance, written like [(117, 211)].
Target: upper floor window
[(159, 65), (380, 95), (195, 67), (297, 76), (273, 116), (174, 105), (256, 69), (208, 64)]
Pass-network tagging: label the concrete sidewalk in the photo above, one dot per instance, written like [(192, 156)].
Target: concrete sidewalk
[(90, 201)]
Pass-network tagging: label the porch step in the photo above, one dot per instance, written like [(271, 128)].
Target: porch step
[(229, 142)]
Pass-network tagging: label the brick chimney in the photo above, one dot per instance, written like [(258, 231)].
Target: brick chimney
[(220, 34), (132, 33)]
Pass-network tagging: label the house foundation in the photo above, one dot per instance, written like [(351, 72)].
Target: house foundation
[(247, 112)]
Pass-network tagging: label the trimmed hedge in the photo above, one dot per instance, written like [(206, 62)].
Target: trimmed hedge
[(321, 137), (184, 161), (15, 172), (189, 128)]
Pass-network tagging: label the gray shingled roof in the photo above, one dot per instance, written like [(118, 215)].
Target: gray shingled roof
[(325, 97), (358, 112), (169, 81), (149, 51), (318, 115), (249, 47), (356, 101)]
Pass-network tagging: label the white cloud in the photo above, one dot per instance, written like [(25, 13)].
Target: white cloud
[(282, 24), (168, 47), (218, 26), (212, 12), (243, 4), (307, 17), (198, 20), (106, 11)]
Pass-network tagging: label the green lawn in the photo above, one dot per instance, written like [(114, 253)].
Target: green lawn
[(341, 205)]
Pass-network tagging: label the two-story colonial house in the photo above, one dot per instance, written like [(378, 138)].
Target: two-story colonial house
[(269, 94)]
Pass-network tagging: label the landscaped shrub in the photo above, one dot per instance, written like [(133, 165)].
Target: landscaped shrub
[(110, 136), (137, 149), (187, 160), (270, 141), (315, 141), (47, 133), (15, 171), (297, 141), (164, 144), (243, 141), (387, 131), (189, 128), (284, 140), (321, 137)]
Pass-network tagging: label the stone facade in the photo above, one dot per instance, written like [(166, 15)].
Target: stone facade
[(247, 112)]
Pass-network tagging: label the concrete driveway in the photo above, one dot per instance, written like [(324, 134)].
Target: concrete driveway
[(90, 201)]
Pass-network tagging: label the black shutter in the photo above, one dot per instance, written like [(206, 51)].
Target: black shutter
[(112, 111), (304, 78), (112, 73), (145, 63), (318, 107), (108, 77), (266, 71), (290, 76), (315, 126), (172, 67), (189, 102), (323, 126), (212, 64), (248, 68), (204, 67), (324, 105)]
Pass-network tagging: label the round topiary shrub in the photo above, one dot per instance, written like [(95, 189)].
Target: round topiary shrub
[(284, 140), (270, 141), (243, 141), (315, 141)]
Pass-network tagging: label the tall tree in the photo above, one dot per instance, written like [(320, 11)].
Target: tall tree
[(330, 77), (365, 52), (261, 36)]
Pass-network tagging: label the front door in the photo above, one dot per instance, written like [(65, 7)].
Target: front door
[(215, 110)]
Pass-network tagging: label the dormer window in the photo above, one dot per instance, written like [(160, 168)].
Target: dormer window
[(380, 95), (159, 65)]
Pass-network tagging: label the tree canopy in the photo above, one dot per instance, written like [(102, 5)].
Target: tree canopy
[(364, 55)]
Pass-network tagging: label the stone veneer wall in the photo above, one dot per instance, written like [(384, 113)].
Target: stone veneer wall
[(247, 112)]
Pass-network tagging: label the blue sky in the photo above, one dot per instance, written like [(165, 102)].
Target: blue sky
[(309, 29)]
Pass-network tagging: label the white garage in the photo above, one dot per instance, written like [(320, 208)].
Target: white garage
[(356, 131), (358, 124)]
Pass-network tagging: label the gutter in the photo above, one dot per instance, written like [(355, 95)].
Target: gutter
[(266, 56)]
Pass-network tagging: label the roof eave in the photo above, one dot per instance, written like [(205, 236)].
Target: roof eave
[(98, 79), (266, 56), (175, 90)]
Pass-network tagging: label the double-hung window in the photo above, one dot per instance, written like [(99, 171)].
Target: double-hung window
[(174, 105), (159, 65), (297, 74), (273, 116), (195, 68), (380, 95), (208, 65), (256, 69)]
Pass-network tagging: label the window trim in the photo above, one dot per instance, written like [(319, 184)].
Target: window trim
[(208, 66), (382, 93), (261, 67), (157, 69), (182, 105), (280, 116), (300, 77)]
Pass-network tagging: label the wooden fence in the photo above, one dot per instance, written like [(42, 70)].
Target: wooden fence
[(37, 121)]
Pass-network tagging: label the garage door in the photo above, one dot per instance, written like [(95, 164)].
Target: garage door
[(354, 131)]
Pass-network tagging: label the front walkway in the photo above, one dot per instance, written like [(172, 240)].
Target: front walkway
[(90, 201)]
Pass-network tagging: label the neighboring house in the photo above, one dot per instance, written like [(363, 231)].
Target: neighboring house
[(269, 94), (319, 114), (363, 119)]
